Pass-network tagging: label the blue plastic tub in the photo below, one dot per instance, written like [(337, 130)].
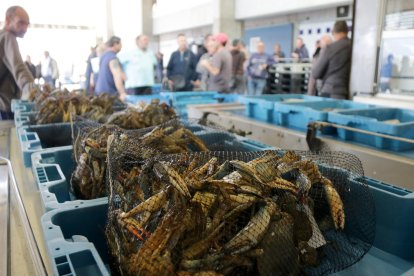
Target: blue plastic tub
[(298, 115), (24, 118), (180, 100), (79, 229), (193, 97), (21, 106), (52, 168), (156, 88), (262, 107), (75, 238), (392, 253), (37, 137), (373, 120), (134, 99), (227, 98)]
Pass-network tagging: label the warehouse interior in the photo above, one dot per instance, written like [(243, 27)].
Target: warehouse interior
[(207, 137)]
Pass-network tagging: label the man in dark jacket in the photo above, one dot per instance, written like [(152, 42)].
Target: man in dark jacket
[(15, 79), (334, 64), (238, 82), (181, 69), (300, 52)]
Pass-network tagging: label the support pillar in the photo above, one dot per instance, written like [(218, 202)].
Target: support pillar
[(224, 19)]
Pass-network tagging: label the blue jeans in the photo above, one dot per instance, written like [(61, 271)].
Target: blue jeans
[(49, 80), (255, 86)]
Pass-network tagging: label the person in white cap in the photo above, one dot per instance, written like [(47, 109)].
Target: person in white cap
[(220, 67)]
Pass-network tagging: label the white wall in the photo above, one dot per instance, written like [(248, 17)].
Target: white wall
[(126, 20), (249, 9), (321, 18), (187, 17)]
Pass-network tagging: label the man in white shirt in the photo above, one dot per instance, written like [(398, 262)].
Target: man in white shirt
[(49, 70), (138, 65)]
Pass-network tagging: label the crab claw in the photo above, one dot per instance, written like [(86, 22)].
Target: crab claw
[(174, 178), (335, 203)]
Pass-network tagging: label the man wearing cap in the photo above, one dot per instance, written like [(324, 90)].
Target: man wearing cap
[(220, 67), (15, 78)]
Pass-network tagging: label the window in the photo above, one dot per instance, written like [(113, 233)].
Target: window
[(396, 64)]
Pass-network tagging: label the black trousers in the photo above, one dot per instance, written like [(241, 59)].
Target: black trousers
[(143, 90), (6, 115)]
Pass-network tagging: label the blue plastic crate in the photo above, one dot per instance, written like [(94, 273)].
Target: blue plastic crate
[(24, 118), (75, 238), (181, 108), (52, 168), (262, 107), (373, 120), (180, 100), (392, 253), (134, 99), (175, 98), (156, 88), (298, 115), (227, 98), (21, 105), (37, 137), (77, 228)]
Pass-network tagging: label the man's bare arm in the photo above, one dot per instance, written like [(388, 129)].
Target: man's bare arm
[(119, 77)]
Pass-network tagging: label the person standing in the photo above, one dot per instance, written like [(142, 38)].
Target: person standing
[(159, 70), (204, 75), (300, 52), (257, 70), (278, 55), (181, 68), (49, 70), (315, 85), (89, 83), (139, 65), (238, 82), (30, 66), (111, 77), (203, 49), (220, 66), (334, 64), (16, 81)]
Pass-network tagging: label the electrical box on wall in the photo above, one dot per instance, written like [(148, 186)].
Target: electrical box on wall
[(342, 11)]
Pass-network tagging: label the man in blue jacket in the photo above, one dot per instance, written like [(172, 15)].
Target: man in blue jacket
[(181, 69)]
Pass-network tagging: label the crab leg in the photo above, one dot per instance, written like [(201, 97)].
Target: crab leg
[(174, 177), (152, 204), (335, 203)]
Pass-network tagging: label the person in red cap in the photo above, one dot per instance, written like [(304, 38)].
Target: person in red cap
[(220, 66)]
